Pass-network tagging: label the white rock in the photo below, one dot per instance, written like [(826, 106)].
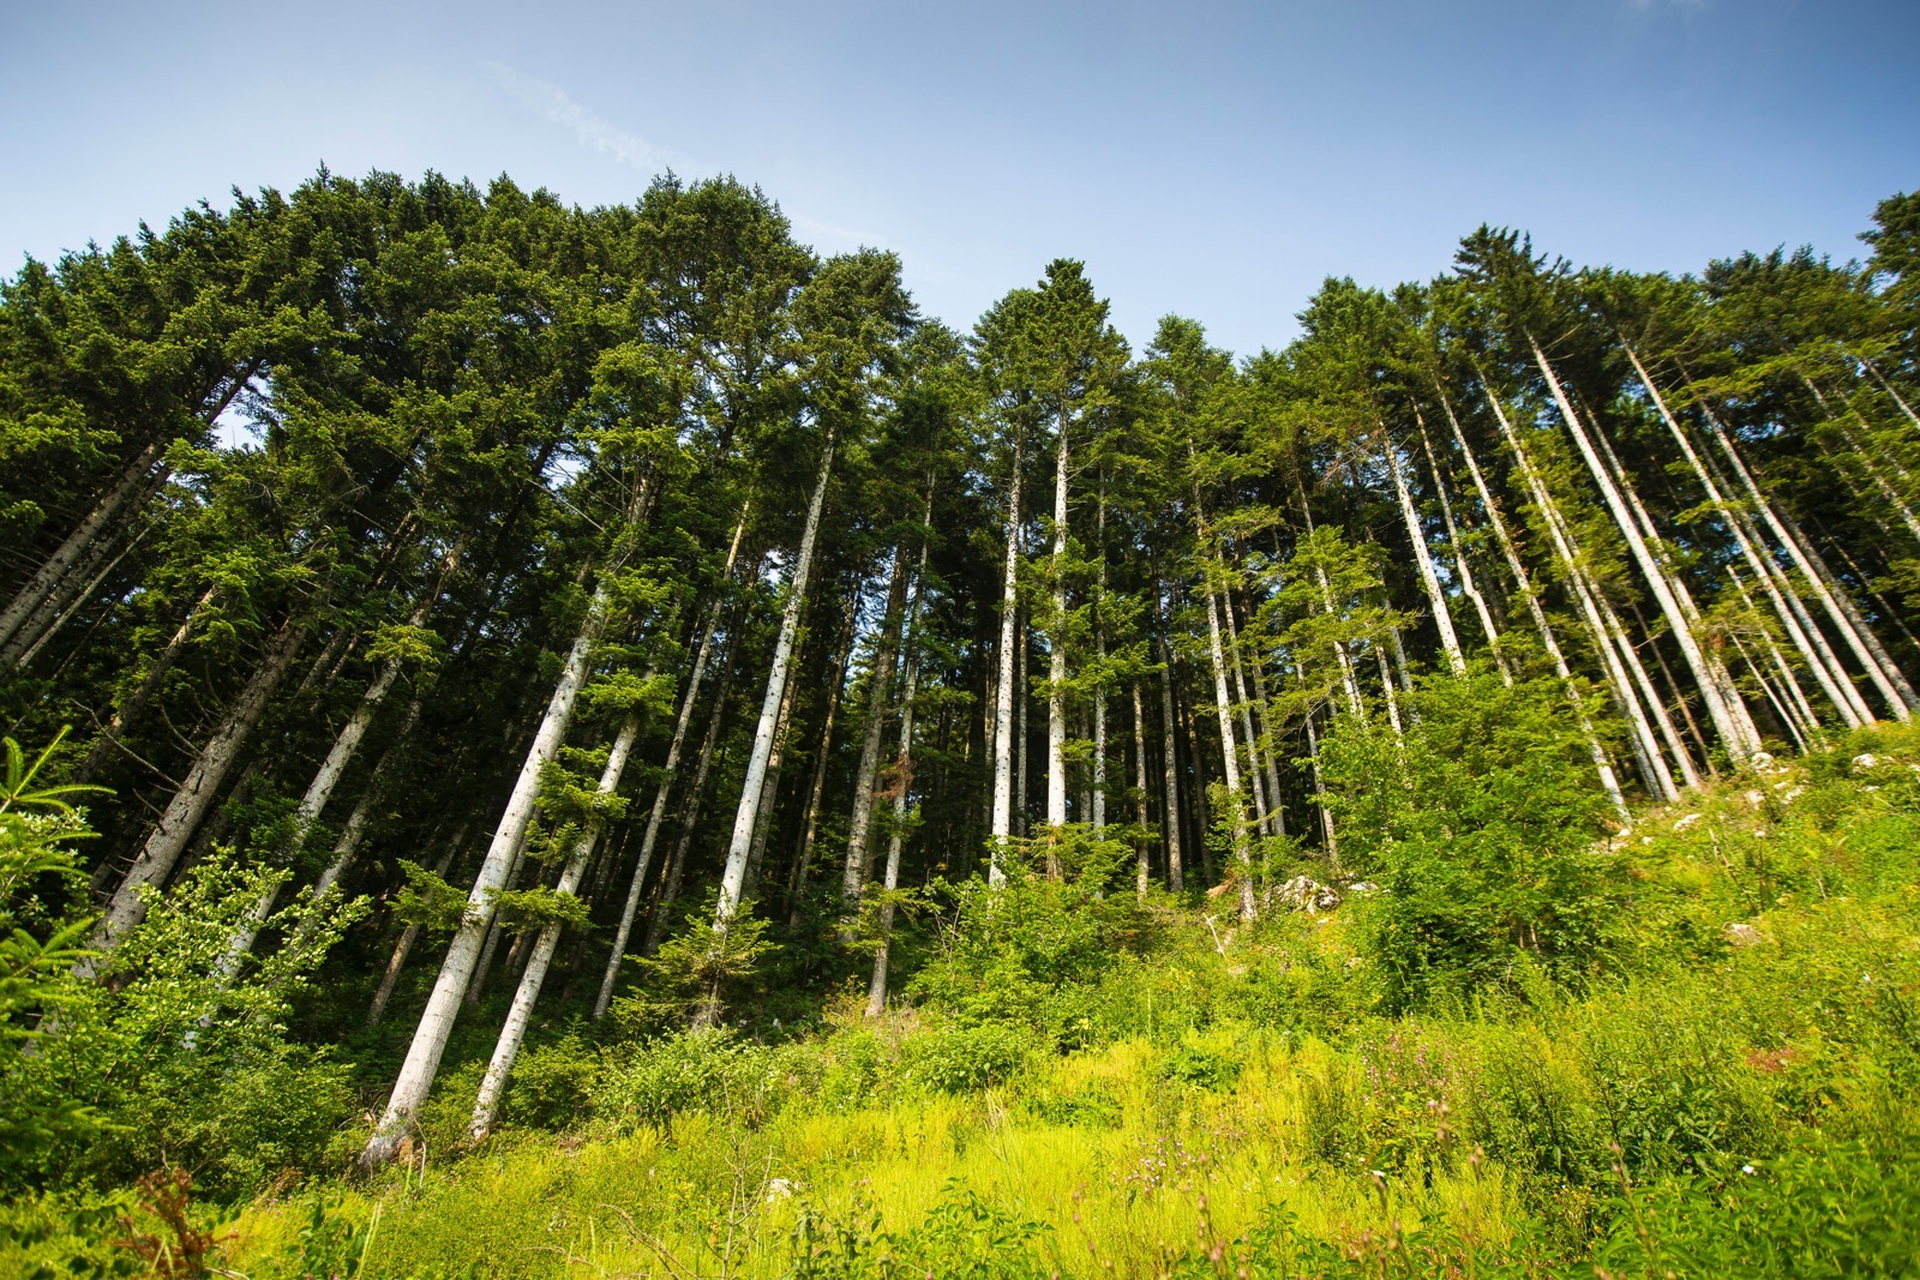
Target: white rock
[(1864, 761), (1744, 935), (1686, 822)]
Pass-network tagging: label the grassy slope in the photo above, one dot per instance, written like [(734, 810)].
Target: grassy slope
[(1212, 1094)]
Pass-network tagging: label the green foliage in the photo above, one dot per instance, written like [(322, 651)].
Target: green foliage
[(962, 1236), (1479, 823), (428, 901)]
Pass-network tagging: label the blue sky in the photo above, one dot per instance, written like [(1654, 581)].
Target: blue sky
[(1217, 160)]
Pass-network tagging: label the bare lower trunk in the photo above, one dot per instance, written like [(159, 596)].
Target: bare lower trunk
[(1057, 665), (1733, 734), (408, 936), (534, 976), (1609, 781), (901, 785), (822, 754), (1176, 871), (1143, 871), (1001, 827), (1242, 852), (733, 879), (690, 815), (443, 1006), (1423, 556), (879, 687), (195, 796), (1263, 811), (1461, 563)]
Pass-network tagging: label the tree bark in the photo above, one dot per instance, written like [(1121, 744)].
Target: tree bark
[(443, 1006), (1423, 556), (1001, 830), (879, 687), (733, 879)]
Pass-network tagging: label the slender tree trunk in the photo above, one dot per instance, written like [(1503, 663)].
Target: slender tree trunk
[(32, 597), (1320, 794), (879, 687), (1263, 815), (1057, 665), (822, 754), (1001, 830), (770, 789), (1713, 692), (624, 929), (1242, 852), (902, 782), (408, 936), (1650, 695), (1799, 553), (1609, 781), (733, 879), (136, 704), (1176, 870), (690, 814), (1100, 694), (443, 1006), (195, 796), (534, 976), (1423, 556), (1461, 562), (1143, 870)]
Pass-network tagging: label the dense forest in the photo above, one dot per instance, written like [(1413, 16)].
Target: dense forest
[(546, 740)]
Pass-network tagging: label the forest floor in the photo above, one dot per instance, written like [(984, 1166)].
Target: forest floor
[(1732, 1093)]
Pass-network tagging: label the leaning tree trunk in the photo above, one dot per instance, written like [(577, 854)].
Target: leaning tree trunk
[(408, 936), (1223, 704), (1750, 552), (1003, 745), (1653, 764), (1462, 565), (733, 879), (194, 798), (32, 597), (534, 976), (1263, 813), (443, 1006), (690, 812), (1609, 781), (1423, 556), (628, 909), (1800, 555), (1726, 722), (137, 702)]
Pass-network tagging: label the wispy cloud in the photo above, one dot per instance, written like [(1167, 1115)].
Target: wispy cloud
[(551, 103), (1645, 6)]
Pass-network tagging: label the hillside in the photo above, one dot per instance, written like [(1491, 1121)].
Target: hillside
[(545, 740)]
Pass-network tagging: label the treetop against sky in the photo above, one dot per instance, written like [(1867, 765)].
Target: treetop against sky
[(1214, 160)]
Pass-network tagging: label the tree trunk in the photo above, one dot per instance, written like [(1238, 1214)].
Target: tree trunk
[(443, 1006), (1057, 665), (733, 879), (1001, 830), (1462, 566), (1176, 871), (690, 813), (1609, 781), (398, 960), (902, 782), (1732, 734), (624, 929), (33, 596), (1263, 811), (1242, 853), (194, 797), (879, 686), (1423, 556), (1143, 871), (514, 1032), (822, 754)]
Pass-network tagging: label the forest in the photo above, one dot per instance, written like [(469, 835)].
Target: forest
[(559, 741)]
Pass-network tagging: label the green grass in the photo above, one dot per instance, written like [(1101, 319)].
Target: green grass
[(1704, 1100)]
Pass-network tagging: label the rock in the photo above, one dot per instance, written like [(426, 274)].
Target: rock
[(1744, 935), (1763, 762), (1864, 761), (1755, 799), (1686, 822), (778, 1189), (1304, 893)]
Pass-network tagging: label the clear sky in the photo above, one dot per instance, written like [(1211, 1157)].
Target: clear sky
[(1217, 160)]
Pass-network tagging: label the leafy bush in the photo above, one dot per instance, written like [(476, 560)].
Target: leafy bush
[(1479, 823), (961, 1059)]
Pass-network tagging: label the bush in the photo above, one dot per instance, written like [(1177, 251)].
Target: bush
[(1479, 824), (963, 1059)]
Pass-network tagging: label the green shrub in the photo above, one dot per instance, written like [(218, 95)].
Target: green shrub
[(962, 1059)]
